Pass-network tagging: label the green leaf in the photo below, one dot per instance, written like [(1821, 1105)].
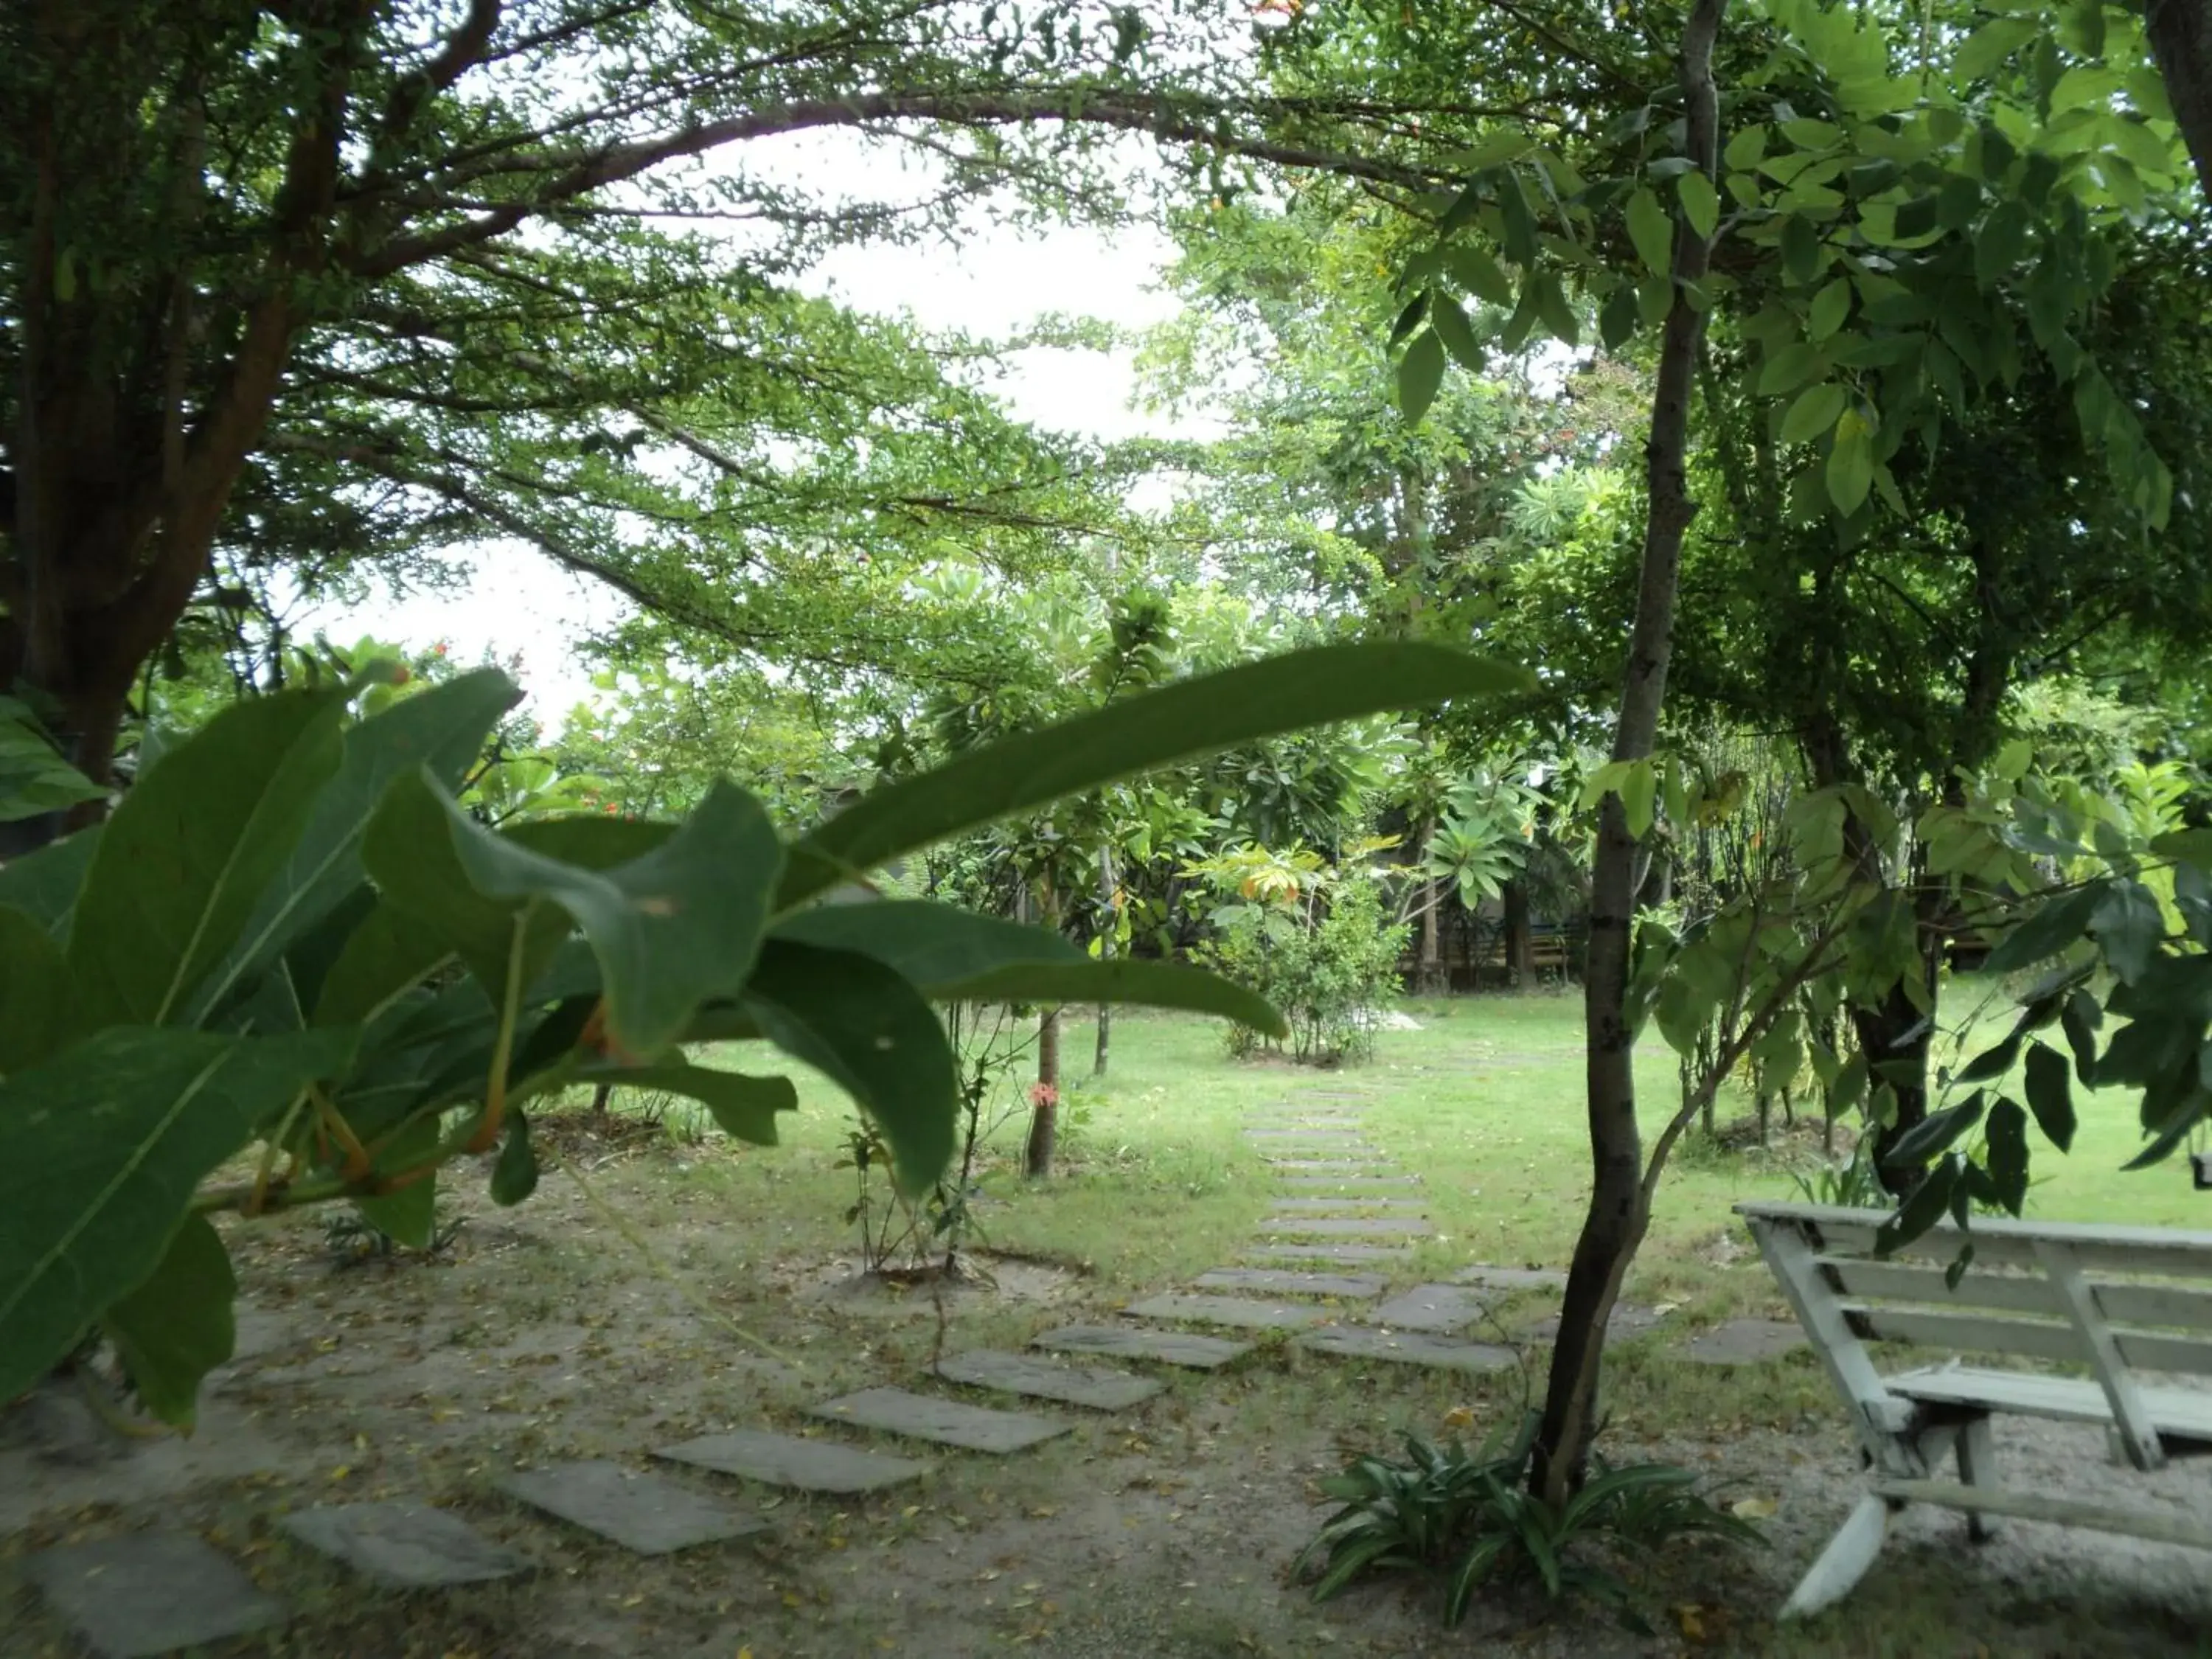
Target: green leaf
[(179, 1324), (742, 1107), (1651, 231), (1746, 148), (1639, 788), (931, 946), (2000, 243), (515, 1177), (1618, 318), (1803, 252), (442, 728), (1851, 464), (44, 884), (1410, 318), (100, 1148), (2128, 925), (1481, 276), (184, 859), (2080, 1019), (1991, 46), (1457, 334), (870, 1032), (670, 929), (34, 992), (409, 1215), (34, 779), (1552, 307), (2050, 1094), (1813, 413), (1129, 981), (1701, 204), (1791, 367), (1923, 1207), (1936, 1131), (1192, 717), (1830, 308), (1421, 373), (2056, 924), (2006, 1137)]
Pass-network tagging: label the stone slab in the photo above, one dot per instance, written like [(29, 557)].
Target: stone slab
[(1304, 1133), (1627, 1320), (1340, 1254), (150, 1593), (646, 1514), (1430, 1307), (785, 1460), (1511, 1279), (1379, 1226), (1351, 1166), (1341, 1182), (407, 1545), (1237, 1311), (1745, 1342), (1407, 1348), (1349, 1202), (945, 1422), (1282, 1281), (1099, 1387), (1203, 1353), (1341, 1094)]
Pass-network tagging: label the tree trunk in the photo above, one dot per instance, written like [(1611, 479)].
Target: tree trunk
[(1044, 1107), (1044, 1099), (1520, 936), (2180, 36), (1620, 1210), (1430, 980), (1098, 1053)]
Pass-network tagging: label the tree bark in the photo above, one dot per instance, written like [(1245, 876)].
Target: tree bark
[(1044, 1107), (1430, 979), (1520, 936), (1619, 1210), (1099, 1053), (2180, 36)]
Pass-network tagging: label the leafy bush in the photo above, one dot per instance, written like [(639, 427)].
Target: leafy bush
[(1470, 1518), (291, 940), (1315, 943)]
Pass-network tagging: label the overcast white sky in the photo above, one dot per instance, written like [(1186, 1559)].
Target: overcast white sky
[(996, 282)]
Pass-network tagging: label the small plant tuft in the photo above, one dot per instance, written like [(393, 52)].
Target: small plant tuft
[(1470, 1518)]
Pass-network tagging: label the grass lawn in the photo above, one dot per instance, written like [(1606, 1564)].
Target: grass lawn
[(661, 1286)]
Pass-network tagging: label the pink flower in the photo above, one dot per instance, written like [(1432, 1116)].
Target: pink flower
[(1043, 1094)]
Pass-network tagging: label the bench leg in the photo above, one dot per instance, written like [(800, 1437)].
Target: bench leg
[(1844, 1563), (1978, 1466)]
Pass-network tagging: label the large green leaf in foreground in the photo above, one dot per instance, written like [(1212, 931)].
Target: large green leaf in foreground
[(101, 1149), (1193, 717)]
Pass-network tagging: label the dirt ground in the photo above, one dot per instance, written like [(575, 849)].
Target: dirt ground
[(1168, 1530)]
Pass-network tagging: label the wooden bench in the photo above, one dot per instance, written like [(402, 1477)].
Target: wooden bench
[(2112, 1302)]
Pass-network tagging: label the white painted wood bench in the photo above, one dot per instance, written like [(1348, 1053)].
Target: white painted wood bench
[(2112, 1302)]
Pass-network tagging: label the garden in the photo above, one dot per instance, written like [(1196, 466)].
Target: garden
[(1488, 927)]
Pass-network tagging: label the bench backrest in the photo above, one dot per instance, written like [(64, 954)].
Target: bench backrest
[(2116, 1300)]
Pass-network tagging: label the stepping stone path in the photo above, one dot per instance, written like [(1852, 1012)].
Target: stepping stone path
[(947, 1422), (1431, 1308), (1098, 1387), (155, 1593), (1282, 1282), (150, 1593), (1204, 1354), (1227, 1311), (406, 1546), (646, 1513), (783, 1460), (1745, 1342), (1408, 1348)]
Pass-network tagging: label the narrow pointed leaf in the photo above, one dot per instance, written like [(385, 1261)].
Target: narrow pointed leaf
[(1421, 374), (180, 1324), (2050, 1094), (1813, 412), (870, 1032), (2056, 924), (515, 1177), (931, 946), (1129, 981), (1652, 231), (743, 1107), (1193, 717), (100, 1148), (442, 729), (186, 856)]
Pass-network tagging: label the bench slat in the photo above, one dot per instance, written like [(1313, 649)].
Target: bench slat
[(2176, 1413), (2168, 1251), (2035, 1506), (2011, 1293), (2143, 1350)]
